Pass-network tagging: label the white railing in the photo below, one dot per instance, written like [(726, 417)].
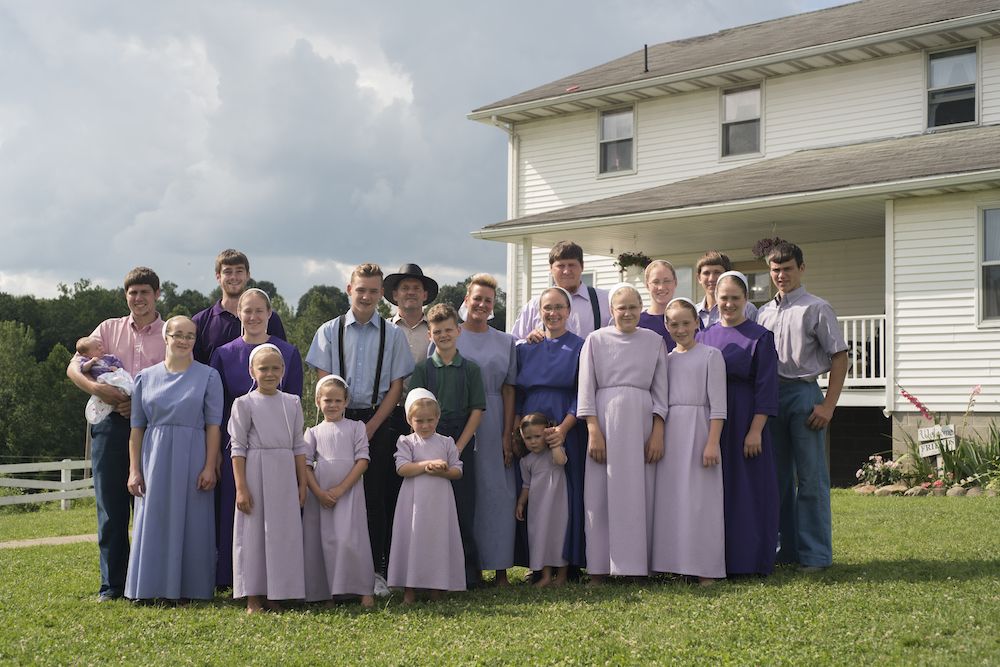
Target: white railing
[(865, 336), (64, 490)]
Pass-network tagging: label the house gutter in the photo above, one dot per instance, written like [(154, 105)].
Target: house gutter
[(490, 114), (929, 182)]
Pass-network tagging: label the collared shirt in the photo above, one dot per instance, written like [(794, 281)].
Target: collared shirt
[(710, 316), (416, 336), (453, 404), (361, 355), (581, 315), (137, 348), (806, 334), (216, 326)]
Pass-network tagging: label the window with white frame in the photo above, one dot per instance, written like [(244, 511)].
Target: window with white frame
[(617, 143), (741, 121), (989, 286), (951, 87)]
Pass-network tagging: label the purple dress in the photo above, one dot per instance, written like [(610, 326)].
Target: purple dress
[(751, 484), (267, 542), (173, 543), (548, 509), (231, 361), (655, 323), (623, 382), (338, 554), (688, 520), (426, 542), (547, 383)]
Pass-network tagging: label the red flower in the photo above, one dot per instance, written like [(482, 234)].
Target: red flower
[(917, 403)]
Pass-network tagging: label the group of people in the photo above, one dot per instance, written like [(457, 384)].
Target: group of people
[(597, 436)]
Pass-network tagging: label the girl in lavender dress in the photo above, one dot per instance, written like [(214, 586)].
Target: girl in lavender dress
[(338, 555), (688, 524), (269, 466), (623, 396), (543, 494), (661, 281), (426, 541)]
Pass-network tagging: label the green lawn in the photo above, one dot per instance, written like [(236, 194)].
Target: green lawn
[(916, 581), (80, 519)]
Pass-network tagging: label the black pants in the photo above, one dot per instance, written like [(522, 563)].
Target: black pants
[(109, 458), (465, 498), (381, 487)]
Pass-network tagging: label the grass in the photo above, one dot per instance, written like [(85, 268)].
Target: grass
[(49, 521), (915, 580)]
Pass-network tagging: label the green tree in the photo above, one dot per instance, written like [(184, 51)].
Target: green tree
[(318, 305), (187, 302), (455, 295)]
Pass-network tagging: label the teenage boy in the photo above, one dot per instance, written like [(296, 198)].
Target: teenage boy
[(710, 266), (458, 385), (374, 358), (809, 342), (137, 340), (589, 310), (220, 323)]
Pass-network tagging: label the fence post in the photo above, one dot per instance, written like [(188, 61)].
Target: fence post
[(65, 476)]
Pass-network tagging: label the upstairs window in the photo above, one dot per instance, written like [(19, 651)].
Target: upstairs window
[(951, 90), (989, 266), (741, 121), (617, 144)]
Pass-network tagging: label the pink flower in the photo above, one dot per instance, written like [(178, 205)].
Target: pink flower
[(978, 389), (916, 402)]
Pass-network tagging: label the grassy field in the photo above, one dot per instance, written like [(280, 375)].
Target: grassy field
[(916, 581), (81, 519)]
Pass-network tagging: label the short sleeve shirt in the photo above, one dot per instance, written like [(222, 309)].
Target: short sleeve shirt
[(457, 397), (806, 334)]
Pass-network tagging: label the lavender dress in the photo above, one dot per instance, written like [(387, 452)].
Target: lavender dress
[(267, 542), (426, 542), (338, 554), (623, 381), (688, 522), (751, 484), (548, 509)]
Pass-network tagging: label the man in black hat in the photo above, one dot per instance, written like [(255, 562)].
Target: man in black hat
[(410, 290)]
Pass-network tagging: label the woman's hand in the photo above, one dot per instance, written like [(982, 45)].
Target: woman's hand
[(136, 484), (244, 500), (596, 446), (302, 495), (712, 456), (751, 445), (654, 447), (519, 512), (508, 451), (207, 478), (554, 437)]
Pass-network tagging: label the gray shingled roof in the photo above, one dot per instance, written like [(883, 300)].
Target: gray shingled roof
[(826, 26), (869, 163)]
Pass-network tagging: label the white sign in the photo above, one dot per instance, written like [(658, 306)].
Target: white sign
[(934, 437)]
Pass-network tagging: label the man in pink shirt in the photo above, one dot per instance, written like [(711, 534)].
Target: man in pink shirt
[(136, 339)]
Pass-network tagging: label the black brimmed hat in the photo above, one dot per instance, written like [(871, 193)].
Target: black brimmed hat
[(392, 280)]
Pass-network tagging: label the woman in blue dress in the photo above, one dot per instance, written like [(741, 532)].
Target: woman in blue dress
[(547, 383), (232, 361), (173, 456)]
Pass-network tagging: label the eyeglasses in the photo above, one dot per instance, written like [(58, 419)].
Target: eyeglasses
[(553, 307), (188, 337)]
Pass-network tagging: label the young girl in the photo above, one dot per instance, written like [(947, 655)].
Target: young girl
[(688, 523), (545, 487), (269, 465), (426, 543), (338, 555)]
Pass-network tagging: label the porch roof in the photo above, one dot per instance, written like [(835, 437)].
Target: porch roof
[(890, 168)]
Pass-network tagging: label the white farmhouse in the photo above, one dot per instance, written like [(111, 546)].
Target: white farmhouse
[(868, 133)]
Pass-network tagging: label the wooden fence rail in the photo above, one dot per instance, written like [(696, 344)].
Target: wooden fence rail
[(64, 490)]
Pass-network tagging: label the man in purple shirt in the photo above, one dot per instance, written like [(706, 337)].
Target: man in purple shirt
[(809, 343), (218, 324)]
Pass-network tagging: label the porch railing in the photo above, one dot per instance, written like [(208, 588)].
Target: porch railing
[(865, 336)]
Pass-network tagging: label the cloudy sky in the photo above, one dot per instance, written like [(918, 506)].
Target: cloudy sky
[(310, 134)]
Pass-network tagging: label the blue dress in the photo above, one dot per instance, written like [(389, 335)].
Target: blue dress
[(173, 543), (655, 323), (232, 361), (546, 383)]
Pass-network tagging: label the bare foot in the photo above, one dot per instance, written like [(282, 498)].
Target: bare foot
[(368, 601), (596, 580), (409, 596), (543, 582), (272, 605), (436, 595), (501, 578), (560, 580), (253, 605), (705, 581), (330, 604)]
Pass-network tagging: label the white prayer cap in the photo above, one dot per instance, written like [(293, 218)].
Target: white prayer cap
[(330, 378), (621, 286), (260, 348), (415, 395), (569, 298), (682, 298), (736, 274)]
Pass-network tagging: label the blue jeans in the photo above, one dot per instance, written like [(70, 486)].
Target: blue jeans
[(109, 459), (803, 478)]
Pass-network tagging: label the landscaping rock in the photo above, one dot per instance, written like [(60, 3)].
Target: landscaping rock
[(956, 491), (916, 491), (891, 490), (939, 491), (991, 493), (865, 489), (975, 491)]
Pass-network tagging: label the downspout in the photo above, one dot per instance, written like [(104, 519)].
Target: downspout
[(513, 192), (889, 338)]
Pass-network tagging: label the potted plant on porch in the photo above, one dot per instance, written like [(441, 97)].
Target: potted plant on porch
[(632, 264)]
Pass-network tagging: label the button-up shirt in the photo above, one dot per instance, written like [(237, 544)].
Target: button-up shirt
[(216, 326), (453, 404), (806, 334), (136, 347), (581, 315), (710, 316), (361, 355)]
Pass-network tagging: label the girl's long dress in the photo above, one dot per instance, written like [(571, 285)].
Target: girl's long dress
[(548, 509), (426, 542), (547, 383), (496, 493), (623, 382), (173, 541), (751, 485), (267, 542), (232, 362), (688, 521), (338, 554), (655, 323)]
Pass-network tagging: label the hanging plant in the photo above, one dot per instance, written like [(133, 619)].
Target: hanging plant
[(763, 247), (637, 259)]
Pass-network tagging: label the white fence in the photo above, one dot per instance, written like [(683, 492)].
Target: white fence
[(865, 336), (64, 490)]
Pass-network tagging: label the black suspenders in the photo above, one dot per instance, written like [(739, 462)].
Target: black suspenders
[(381, 353), (596, 307)]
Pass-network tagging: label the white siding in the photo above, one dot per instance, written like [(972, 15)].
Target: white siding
[(940, 352), (990, 80)]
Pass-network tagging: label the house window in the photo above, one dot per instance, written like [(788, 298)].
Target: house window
[(741, 121), (951, 90), (990, 266), (617, 144)]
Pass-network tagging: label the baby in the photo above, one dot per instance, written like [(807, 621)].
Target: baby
[(104, 368)]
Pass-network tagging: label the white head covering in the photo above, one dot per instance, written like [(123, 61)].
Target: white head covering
[(737, 274), (171, 319), (684, 299), (621, 286), (415, 395), (329, 378), (259, 291), (569, 298), (253, 353)]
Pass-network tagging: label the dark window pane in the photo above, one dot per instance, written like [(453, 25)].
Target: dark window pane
[(616, 156), (991, 292), (740, 138), (947, 107), (991, 235)]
